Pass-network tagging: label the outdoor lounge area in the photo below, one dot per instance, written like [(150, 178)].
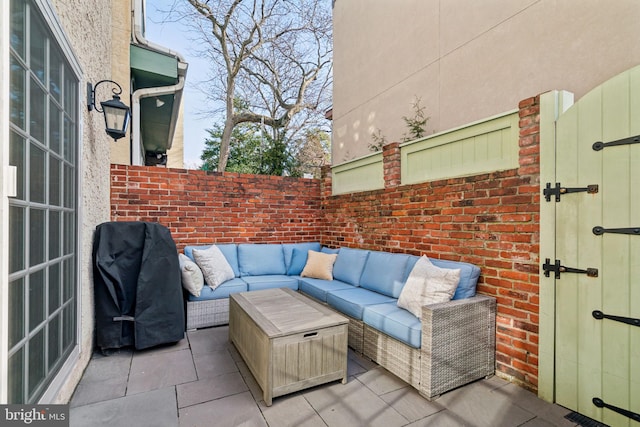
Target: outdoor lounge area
[(202, 381), (479, 147)]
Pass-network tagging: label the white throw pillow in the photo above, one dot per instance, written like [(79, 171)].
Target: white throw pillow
[(214, 265), (192, 279), (428, 284), (319, 265)]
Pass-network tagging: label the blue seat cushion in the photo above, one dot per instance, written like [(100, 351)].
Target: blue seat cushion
[(318, 288), (223, 291), (384, 273), (469, 275), (261, 259), (289, 250), (349, 265), (229, 250), (255, 283), (353, 301), (395, 322)]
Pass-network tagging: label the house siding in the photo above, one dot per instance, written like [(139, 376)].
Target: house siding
[(466, 60)]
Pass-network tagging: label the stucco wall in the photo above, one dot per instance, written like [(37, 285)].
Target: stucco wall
[(467, 60), (120, 71), (85, 24)]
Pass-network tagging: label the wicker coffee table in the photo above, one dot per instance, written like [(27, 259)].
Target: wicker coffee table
[(288, 341)]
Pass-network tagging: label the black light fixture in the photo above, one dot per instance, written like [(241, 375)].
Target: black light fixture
[(116, 114)]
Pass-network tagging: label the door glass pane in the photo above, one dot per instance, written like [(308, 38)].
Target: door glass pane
[(17, 147), (38, 46), (16, 311), (36, 299), (54, 340), (54, 287), (36, 360), (70, 92), (68, 279), (55, 127), (69, 228), (16, 238), (18, 16), (18, 94), (37, 173), (68, 330), (55, 74), (68, 139), (37, 236), (16, 379), (69, 190), (54, 234), (54, 180), (38, 103)]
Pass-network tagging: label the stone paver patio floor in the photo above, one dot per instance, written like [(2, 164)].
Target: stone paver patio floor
[(202, 381)]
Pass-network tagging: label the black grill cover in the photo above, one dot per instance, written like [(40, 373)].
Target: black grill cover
[(137, 284)]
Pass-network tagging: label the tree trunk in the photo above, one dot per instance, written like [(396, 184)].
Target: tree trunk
[(229, 124), (225, 144)]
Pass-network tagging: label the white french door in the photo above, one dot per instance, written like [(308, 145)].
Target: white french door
[(43, 214)]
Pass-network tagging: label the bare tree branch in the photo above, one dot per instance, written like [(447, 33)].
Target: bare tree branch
[(274, 55)]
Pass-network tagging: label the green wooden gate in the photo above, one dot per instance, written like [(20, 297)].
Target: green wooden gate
[(590, 251)]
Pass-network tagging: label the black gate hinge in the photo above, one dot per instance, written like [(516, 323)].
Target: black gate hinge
[(633, 231), (597, 314), (557, 269), (558, 190), (601, 404), (599, 145)]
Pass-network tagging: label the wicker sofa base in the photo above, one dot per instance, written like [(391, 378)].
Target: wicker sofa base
[(202, 314), (458, 347), (458, 342), (398, 358)]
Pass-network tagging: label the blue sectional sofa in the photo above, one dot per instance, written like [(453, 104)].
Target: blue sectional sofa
[(452, 344)]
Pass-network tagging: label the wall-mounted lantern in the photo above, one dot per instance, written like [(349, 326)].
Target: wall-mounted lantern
[(116, 114)]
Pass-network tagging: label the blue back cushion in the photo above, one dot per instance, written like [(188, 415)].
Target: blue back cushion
[(384, 273), (259, 259), (298, 261), (327, 250), (229, 250), (349, 265), (288, 249), (469, 275)]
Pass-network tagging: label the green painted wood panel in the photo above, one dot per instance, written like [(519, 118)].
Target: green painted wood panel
[(616, 280), (487, 146), (552, 104), (589, 208), (567, 251), (596, 358), (634, 249), (363, 174), (481, 147)]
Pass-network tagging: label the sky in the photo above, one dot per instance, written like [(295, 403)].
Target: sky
[(162, 31)]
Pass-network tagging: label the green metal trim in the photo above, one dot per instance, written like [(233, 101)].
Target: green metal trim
[(155, 119), (152, 69)]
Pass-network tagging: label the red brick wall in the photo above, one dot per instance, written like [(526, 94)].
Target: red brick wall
[(203, 208), (491, 220)]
